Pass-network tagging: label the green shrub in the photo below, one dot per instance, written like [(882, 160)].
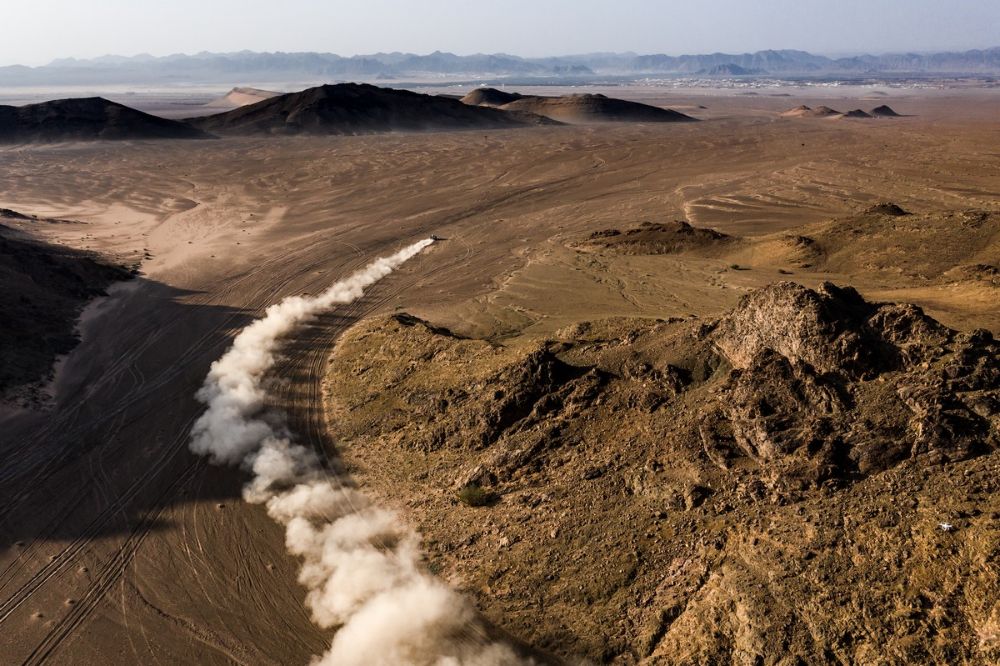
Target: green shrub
[(474, 495)]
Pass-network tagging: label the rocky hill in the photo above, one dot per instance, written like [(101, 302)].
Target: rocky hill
[(884, 111), (587, 108), (804, 111), (698, 491), (350, 108), (594, 108), (86, 119), (655, 238)]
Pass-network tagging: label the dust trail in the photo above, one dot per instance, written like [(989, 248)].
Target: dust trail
[(361, 565)]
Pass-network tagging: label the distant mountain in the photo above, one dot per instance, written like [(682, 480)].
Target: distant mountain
[(352, 108), (261, 68), (84, 119), (730, 69)]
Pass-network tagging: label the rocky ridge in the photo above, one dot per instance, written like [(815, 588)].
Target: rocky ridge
[(652, 479)]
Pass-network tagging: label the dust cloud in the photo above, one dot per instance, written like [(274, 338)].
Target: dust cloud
[(362, 567)]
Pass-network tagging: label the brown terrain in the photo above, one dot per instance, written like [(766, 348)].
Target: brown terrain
[(581, 108), (86, 119), (683, 393), (45, 289), (351, 108)]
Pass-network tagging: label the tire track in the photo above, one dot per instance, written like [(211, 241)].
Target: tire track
[(108, 575), (61, 560)]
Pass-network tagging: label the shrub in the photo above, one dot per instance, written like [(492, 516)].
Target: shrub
[(474, 495)]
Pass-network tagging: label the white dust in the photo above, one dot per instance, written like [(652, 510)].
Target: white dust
[(361, 566)]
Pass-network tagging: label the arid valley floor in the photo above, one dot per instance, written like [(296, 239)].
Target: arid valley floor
[(118, 545)]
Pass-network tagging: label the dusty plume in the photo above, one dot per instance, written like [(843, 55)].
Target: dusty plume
[(361, 565)]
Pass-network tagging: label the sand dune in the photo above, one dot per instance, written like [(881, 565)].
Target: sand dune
[(240, 96)]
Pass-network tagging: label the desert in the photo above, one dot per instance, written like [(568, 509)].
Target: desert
[(427, 373)]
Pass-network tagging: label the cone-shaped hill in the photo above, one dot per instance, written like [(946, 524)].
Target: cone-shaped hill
[(826, 112), (86, 119), (884, 111), (353, 108)]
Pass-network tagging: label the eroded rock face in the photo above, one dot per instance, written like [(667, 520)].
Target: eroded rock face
[(826, 329), (827, 385)]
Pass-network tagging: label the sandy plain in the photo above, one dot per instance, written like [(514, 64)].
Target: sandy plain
[(119, 546)]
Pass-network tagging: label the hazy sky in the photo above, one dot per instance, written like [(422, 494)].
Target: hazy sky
[(36, 31)]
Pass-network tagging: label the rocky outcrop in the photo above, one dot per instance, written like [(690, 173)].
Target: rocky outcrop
[(828, 385), (690, 491), (655, 238), (825, 329)]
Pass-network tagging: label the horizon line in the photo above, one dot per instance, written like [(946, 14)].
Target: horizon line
[(829, 55)]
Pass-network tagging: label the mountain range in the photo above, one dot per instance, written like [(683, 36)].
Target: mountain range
[(244, 66)]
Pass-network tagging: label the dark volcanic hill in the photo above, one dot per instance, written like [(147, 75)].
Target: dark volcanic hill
[(490, 97), (86, 119), (593, 108), (884, 112), (353, 108)]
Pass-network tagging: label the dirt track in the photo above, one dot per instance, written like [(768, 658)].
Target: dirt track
[(121, 546)]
